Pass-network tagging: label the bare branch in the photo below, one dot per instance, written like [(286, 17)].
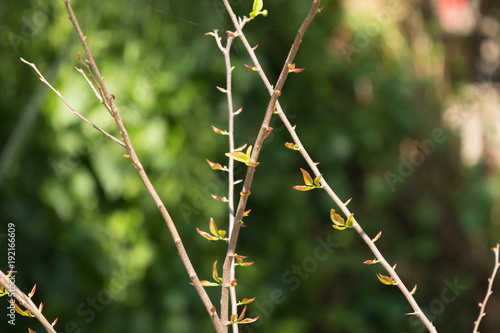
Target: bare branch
[(226, 51), (71, 109), (489, 291), (25, 301)]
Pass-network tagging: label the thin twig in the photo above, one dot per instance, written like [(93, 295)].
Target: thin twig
[(71, 109), (99, 97), (110, 105), (226, 51), (417, 311), (25, 301), (489, 291), (261, 136)]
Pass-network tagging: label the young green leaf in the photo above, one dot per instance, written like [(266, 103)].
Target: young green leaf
[(350, 221), (218, 131), (223, 199), (339, 227), (206, 283), (336, 218), (25, 313), (207, 235), (214, 273), (370, 262), (238, 156), (317, 179), (257, 5), (307, 177), (303, 188), (222, 234), (213, 227), (386, 280), (248, 320), (217, 166), (249, 151), (246, 301)]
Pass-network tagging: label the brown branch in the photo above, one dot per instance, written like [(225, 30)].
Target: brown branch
[(417, 311), (25, 301), (489, 291), (110, 105), (71, 109), (260, 137)]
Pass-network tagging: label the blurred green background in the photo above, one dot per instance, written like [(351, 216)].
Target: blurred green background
[(399, 102)]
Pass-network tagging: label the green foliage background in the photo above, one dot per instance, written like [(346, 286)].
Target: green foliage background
[(90, 237)]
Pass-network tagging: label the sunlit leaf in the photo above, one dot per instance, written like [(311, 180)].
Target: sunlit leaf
[(307, 177), (245, 264), (336, 218), (246, 301), (386, 280), (317, 179), (350, 220), (219, 131), (238, 156), (242, 314), (303, 188), (206, 283), (249, 151), (370, 262), (25, 313), (339, 227), (217, 166), (214, 272), (248, 320), (207, 235), (213, 227), (223, 199), (257, 5)]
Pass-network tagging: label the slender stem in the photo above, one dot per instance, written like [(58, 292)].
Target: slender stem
[(262, 132), (25, 301), (489, 291), (110, 105), (417, 311), (71, 109), (229, 69)]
